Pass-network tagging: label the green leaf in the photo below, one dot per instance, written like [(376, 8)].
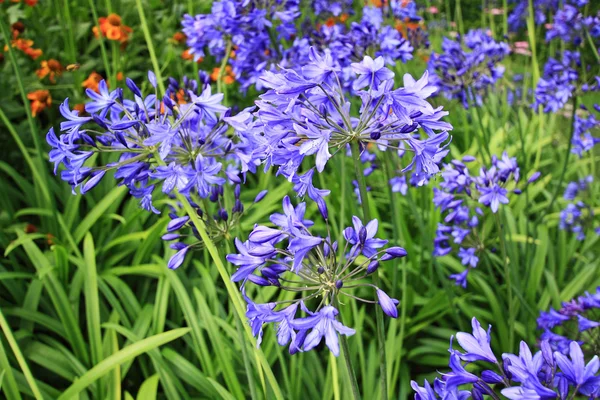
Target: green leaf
[(123, 355)]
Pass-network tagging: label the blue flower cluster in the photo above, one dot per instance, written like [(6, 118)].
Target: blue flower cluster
[(335, 7), (290, 257), (583, 126), (348, 45), (458, 198), (190, 144), (307, 113), (526, 376), (578, 216), (558, 84), (576, 321), (252, 30), (520, 12), (463, 74), (570, 25)]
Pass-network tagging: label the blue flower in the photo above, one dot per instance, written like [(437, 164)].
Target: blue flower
[(577, 372), (370, 73), (323, 324), (493, 196), (477, 345), (363, 237), (204, 174)]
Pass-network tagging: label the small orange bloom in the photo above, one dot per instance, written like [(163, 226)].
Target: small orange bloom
[(25, 45), (119, 76), (92, 82), (31, 3), (190, 57), (179, 38), (51, 68), (80, 107), (344, 17), (40, 99), (228, 77), (112, 28)]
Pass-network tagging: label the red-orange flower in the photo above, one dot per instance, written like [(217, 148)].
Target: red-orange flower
[(25, 45), (179, 38), (80, 107), (92, 82), (40, 99), (50, 68), (228, 76), (190, 57), (112, 28), (30, 3)]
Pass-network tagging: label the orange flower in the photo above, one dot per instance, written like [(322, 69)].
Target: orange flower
[(40, 99), (50, 68), (190, 57), (179, 38), (30, 3), (80, 107), (119, 76), (92, 82), (228, 77), (25, 45), (112, 28)]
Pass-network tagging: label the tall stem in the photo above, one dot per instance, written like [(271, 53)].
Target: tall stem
[(348, 362), (350, 368), (507, 276), (362, 187), (566, 163)]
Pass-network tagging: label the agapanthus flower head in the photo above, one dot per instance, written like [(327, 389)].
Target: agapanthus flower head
[(575, 320), (460, 197), (241, 31), (541, 376), (570, 25), (346, 45), (520, 12), (187, 148), (578, 216), (308, 114), (559, 82), (586, 129), (468, 67), (323, 273)]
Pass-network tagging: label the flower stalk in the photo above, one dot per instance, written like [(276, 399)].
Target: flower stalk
[(376, 281)]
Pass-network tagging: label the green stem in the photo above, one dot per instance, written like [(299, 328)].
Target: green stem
[(507, 276), (19, 356), (350, 368), (565, 164), (223, 65), (150, 45), (389, 169), (107, 69), (360, 177)]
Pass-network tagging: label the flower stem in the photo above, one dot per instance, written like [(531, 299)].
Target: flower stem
[(565, 165), (507, 276), (350, 368), (362, 187), (234, 295), (223, 66)]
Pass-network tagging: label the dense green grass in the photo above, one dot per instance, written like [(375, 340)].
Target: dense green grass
[(92, 310)]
